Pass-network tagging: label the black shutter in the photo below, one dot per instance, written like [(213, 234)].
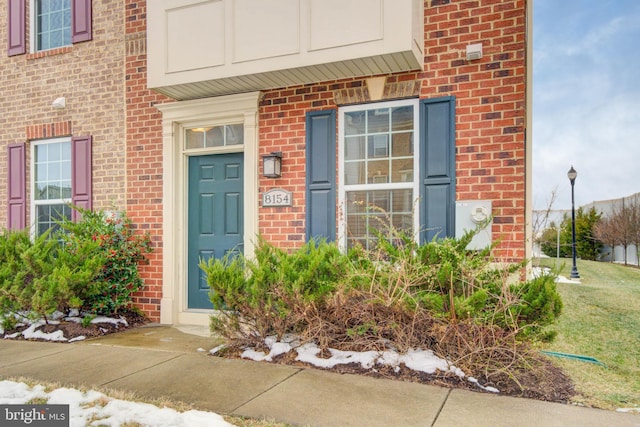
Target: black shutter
[(16, 28), (437, 168), (321, 175)]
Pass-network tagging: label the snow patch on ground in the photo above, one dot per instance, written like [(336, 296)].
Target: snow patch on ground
[(628, 410), (415, 359), (33, 332), (85, 406), (539, 271)]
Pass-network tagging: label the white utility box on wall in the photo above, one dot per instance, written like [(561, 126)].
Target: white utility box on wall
[(470, 215)]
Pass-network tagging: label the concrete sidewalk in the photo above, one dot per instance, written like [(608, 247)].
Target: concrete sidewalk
[(164, 362)]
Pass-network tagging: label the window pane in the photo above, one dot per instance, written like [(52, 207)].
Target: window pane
[(215, 137), (378, 120), (194, 138), (52, 165), (67, 19), (402, 170), (54, 173), (402, 118), (402, 201), (402, 145), (48, 215), (42, 153), (65, 189), (354, 123), (379, 201), (378, 172), (65, 152), (56, 19), (354, 173), (379, 146), (403, 223), (357, 225), (53, 23), (54, 152), (354, 148), (368, 211), (41, 192), (234, 134)]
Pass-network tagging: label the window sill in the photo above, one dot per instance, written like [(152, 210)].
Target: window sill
[(50, 52)]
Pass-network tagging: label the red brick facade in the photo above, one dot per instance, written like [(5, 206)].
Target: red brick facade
[(117, 109), (89, 75), (144, 154), (490, 116)]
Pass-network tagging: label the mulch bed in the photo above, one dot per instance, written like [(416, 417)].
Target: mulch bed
[(546, 382), (74, 329)]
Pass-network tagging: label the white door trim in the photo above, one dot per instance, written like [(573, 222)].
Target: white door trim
[(242, 108)]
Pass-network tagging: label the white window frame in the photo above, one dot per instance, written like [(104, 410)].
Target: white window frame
[(413, 185), (33, 202), (34, 28)]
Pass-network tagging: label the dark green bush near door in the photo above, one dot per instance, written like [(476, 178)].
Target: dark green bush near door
[(323, 294)]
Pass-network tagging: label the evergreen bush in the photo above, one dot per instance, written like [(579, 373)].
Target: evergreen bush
[(90, 265), (279, 292), (40, 276)]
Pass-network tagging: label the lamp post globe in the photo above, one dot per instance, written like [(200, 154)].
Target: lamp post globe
[(572, 175)]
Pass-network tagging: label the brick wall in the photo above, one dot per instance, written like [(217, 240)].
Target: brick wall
[(104, 82), (490, 116), (90, 76), (143, 155), (490, 111)]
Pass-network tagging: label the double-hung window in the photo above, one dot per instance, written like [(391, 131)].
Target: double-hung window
[(52, 24), (52, 20), (378, 165), (51, 182)]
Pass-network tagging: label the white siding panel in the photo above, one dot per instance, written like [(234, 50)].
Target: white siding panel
[(335, 23), (187, 27), (265, 29)]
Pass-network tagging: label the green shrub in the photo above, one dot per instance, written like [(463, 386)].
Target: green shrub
[(91, 265), (268, 290), (122, 249), (279, 292), (42, 276), (13, 276), (539, 303)]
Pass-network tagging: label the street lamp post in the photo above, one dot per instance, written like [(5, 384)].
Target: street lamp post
[(572, 174)]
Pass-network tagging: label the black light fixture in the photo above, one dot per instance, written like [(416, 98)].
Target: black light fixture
[(572, 174), (272, 165)]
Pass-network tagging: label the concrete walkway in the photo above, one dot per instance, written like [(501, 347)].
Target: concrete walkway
[(164, 362)]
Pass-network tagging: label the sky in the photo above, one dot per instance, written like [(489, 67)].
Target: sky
[(586, 100)]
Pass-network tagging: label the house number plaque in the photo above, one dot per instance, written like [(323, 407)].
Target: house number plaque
[(277, 197)]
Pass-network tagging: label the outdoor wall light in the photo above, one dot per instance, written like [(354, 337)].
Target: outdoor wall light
[(272, 165)]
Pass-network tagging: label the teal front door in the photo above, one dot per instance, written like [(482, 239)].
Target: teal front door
[(215, 217)]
